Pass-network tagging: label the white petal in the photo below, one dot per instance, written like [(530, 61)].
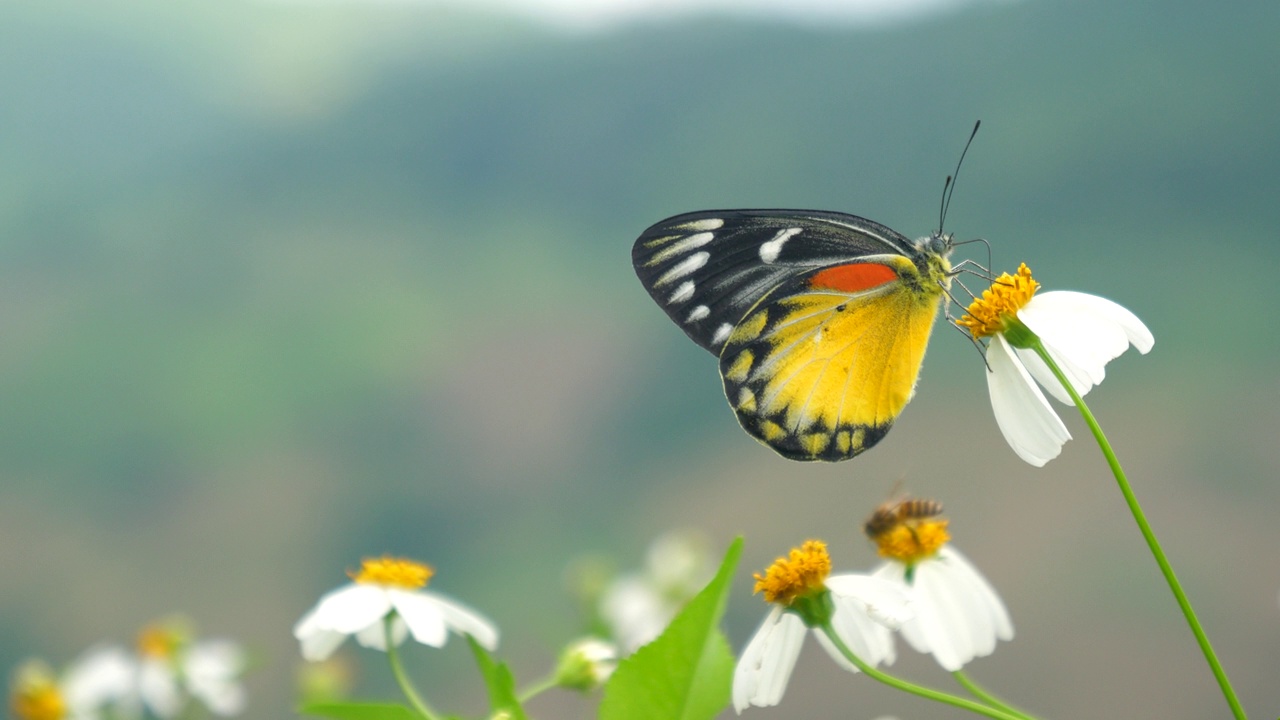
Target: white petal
[(981, 590), (462, 619), (634, 612), (958, 614), (100, 676), (318, 645), (896, 573), (922, 627), (422, 616), (159, 689), (222, 698), (1026, 420), (885, 601), (1082, 334), (934, 628), (375, 636), (973, 620), (761, 675), (1103, 311), (347, 610), (214, 659), (211, 669), (1038, 370), (865, 638)]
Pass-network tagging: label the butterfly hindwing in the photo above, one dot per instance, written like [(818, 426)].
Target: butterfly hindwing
[(821, 367), (707, 269)]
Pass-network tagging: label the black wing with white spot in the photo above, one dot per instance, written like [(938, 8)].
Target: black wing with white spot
[(707, 269)]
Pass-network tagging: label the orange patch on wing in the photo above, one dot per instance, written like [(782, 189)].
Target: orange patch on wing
[(854, 277)]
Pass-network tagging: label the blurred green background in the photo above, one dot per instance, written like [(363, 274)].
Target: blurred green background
[(283, 285)]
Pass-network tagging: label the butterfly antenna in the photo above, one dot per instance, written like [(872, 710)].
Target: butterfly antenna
[(942, 206), (949, 187)]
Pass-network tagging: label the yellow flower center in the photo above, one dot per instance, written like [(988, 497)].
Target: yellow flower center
[(804, 572), (396, 572), (163, 639), (156, 641), (908, 530), (36, 695), (988, 314), (911, 541)]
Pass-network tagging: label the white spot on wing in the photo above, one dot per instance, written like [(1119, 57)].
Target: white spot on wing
[(703, 224), (698, 313), (722, 333), (684, 267), (692, 242), (769, 251), (683, 292)]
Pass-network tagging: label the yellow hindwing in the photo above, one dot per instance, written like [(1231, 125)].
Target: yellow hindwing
[(821, 374)]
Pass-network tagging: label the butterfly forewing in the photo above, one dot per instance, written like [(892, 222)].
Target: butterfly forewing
[(707, 269)]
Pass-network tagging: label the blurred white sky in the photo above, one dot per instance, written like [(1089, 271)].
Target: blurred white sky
[(586, 14)]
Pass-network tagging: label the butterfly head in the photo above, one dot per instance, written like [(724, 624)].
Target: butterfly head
[(938, 243), (931, 258)]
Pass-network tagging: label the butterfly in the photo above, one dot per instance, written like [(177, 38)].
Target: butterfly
[(819, 319)]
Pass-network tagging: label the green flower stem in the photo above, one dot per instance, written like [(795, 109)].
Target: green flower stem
[(537, 688), (981, 693), (1141, 519), (920, 690), (393, 656)]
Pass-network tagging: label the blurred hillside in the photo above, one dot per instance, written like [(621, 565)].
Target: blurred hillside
[(283, 285)]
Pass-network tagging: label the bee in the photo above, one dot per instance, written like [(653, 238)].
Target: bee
[(894, 512)]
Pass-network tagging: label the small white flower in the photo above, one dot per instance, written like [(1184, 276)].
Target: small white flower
[(638, 606), (104, 676), (207, 671), (864, 610), (171, 669), (635, 611), (167, 671), (211, 670), (586, 664), (384, 586), (957, 614), (1080, 332)]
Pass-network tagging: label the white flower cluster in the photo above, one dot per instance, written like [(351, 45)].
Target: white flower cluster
[(942, 606), (110, 681)]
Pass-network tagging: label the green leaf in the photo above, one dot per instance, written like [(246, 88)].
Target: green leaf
[(686, 673), (503, 701), (358, 711)]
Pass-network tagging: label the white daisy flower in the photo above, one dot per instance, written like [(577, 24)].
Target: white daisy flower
[(166, 673), (862, 611), (1080, 332), (104, 676), (637, 607), (388, 587), (957, 614), (171, 669)]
